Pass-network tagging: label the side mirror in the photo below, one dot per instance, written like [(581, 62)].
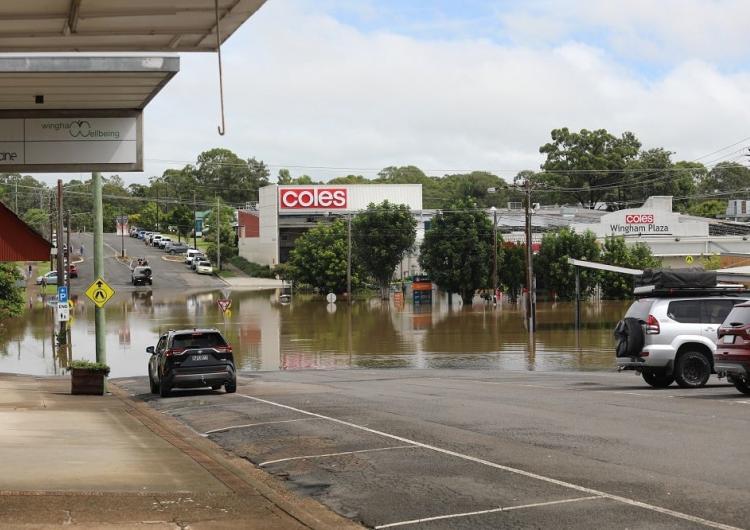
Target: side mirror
[(150, 350)]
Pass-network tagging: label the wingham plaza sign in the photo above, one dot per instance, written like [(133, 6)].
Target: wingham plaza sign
[(67, 142)]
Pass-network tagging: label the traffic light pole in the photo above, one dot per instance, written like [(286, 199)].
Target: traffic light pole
[(101, 345)]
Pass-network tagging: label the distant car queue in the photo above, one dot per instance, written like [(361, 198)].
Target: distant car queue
[(195, 259)]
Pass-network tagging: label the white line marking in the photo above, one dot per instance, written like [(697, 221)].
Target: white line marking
[(411, 446), (232, 427), (550, 480), (493, 510)]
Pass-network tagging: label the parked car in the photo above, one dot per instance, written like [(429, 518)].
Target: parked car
[(732, 357), (50, 277), (142, 275), (73, 270), (141, 234), (154, 240), (191, 358), (177, 248), (163, 241), (191, 253), (196, 260), (672, 338), (204, 267)]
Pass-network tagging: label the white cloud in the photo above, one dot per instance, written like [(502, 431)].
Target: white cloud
[(304, 89)]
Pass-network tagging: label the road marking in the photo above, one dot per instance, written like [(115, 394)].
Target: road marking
[(521, 472), (493, 510), (232, 427), (410, 446)]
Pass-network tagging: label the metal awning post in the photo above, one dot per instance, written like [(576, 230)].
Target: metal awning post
[(578, 297)]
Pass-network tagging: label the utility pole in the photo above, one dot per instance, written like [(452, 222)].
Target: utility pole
[(52, 232), (349, 259), (195, 224), (531, 305), (122, 234), (70, 250), (157, 208), (16, 196), (494, 254), (61, 268), (218, 234), (101, 344)]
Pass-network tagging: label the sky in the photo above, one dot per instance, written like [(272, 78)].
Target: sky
[(333, 87)]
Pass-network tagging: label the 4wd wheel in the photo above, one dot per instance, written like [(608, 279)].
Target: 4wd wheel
[(657, 378), (692, 370), (231, 388), (154, 386), (742, 384), (164, 389)]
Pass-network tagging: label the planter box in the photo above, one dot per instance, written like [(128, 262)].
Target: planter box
[(84, 381)]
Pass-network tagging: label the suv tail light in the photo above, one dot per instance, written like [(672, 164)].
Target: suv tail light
[(652, 325), (173, 351)]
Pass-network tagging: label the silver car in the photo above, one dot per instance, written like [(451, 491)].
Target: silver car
[(672, 339)]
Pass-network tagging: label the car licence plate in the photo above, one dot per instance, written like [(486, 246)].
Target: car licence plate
[(199, 357), (728, 339)]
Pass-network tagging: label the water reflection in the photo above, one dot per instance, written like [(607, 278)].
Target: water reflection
[(309, 334)]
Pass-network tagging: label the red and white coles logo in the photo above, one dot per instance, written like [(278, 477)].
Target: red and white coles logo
[(639, 219), (311, 198)]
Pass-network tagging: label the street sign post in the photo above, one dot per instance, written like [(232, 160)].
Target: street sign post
[(99, 292), (63, 312), (62, 294), (224, 304)]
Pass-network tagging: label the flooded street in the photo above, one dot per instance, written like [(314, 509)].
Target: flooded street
[(309, 334)]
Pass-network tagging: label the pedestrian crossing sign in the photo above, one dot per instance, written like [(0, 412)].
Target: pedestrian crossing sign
[(99, 292)]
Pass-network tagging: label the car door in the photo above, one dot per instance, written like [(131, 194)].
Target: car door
[(157, 357), (714, 312)]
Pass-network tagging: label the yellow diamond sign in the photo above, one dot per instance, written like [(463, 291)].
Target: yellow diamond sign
[(99, 292)]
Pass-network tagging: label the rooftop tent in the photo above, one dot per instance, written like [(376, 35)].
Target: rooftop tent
[(18, 241)]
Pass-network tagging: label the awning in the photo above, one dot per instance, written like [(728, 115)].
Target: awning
[(55, 83), (119, 25)]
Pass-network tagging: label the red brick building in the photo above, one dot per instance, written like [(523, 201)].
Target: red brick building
[(18, 241)]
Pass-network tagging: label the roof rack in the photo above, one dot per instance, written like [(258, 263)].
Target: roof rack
[(653, 290)]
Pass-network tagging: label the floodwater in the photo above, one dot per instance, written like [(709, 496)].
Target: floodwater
[(311, 334)]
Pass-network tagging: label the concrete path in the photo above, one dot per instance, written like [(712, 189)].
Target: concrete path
[(106, 461)]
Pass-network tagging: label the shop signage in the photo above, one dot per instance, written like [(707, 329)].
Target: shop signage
[(639, 223), (63, 143), (313, 198)]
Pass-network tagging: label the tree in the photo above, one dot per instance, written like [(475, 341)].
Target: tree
[(616, 286), (221, 235), (319, 258), (235, 180), (653, 173), (512, 268), (712, 208), (551, 264), (457, 250), (11, 297), (182, 219), (728, 177), (381, 236), (587, 162), (37, 219)]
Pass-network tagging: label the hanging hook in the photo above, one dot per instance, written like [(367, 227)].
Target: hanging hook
[(222, 127)]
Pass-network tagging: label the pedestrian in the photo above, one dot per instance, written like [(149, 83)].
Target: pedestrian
[(30, 269), (82, 249), (44, 284)]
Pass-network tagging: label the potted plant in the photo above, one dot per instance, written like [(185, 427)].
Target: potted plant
[(88, 377)]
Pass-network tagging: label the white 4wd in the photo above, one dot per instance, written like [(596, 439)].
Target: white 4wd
[(672, 339)]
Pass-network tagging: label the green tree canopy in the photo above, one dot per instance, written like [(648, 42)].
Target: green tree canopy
[(615, 251), (381, 236), (586, 162), (512, 268), (11, 297), (319, 258), (457, 250), (552, 267), (223, 238), (712, 208)]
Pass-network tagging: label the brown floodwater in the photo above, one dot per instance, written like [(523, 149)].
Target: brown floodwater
[(311, 334)]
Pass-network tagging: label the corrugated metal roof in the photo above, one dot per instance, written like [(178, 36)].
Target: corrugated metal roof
[(18, 241), (119, 25)]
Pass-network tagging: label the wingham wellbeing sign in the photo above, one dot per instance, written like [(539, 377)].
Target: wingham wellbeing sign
[(64, 143)]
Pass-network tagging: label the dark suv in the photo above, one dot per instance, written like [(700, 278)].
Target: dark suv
[(732, 355), (191, 358)]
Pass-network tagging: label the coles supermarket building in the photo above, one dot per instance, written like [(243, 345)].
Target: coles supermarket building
[(284, 212)]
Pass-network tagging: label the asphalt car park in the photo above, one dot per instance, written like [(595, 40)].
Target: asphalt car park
[(400, 448)]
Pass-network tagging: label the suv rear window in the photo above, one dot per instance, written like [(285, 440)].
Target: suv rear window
[(738, 314), (640, 309), (708, 311), (198, 340)]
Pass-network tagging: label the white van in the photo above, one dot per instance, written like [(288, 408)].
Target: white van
[(191, 252)]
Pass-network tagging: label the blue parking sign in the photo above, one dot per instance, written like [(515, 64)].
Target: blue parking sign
[(62, 294)]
